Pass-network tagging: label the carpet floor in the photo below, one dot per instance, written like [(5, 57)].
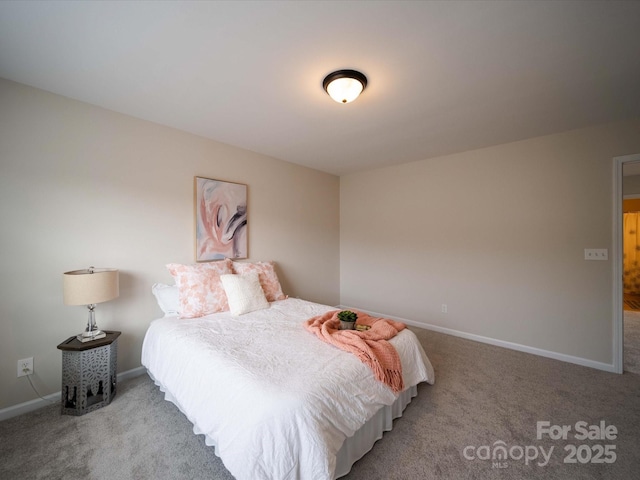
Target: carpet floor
[(484, 397), (632, 341)]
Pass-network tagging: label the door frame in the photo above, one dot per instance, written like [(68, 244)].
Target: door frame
[(617, 250)]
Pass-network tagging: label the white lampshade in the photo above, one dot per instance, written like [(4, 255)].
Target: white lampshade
[(90, 286), (344, 86)]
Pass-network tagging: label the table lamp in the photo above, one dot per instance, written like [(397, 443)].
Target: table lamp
[(89, 287)]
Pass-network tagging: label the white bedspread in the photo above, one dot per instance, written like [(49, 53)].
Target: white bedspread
[(276, 402)]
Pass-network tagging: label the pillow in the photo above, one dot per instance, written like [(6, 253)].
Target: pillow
[(199, 288), (244, 293), (268, 278), (167, 298)]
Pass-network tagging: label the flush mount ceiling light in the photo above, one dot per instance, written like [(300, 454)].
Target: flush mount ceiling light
[(344, 86)]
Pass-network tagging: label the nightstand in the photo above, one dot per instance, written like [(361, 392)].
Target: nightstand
[(88, 373)]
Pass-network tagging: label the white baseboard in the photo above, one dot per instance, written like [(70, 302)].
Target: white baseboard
[(31, 405), (585, 362), (134, 372)]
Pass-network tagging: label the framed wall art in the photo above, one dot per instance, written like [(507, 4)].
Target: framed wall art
[(221, 219)]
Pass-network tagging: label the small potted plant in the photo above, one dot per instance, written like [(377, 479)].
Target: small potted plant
[(347, 320)]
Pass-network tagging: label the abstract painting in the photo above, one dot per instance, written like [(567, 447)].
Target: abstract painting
[(221, 219)]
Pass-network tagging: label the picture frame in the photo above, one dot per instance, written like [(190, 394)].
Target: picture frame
[(220, 210)]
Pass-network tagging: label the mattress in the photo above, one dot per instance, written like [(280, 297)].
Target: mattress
[(274, 400)]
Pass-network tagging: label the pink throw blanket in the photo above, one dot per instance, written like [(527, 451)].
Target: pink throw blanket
[(370, 346)]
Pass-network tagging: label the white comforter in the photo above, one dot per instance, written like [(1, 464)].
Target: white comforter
[(276, 402)]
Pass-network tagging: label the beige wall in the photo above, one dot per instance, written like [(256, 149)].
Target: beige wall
[(80, 186), (497, 234)]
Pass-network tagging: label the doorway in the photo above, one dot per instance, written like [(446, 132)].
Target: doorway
[(631, 274), (630, 248), (628, 260)]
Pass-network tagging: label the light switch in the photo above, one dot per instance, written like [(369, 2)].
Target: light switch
[(596, 254)]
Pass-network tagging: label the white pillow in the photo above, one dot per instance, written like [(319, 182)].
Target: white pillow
[(167, 298), (244, 293)]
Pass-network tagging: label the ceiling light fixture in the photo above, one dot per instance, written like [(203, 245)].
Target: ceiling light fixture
[(344, 86)]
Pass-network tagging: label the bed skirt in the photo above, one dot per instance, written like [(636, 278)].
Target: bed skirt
[(356, 446)]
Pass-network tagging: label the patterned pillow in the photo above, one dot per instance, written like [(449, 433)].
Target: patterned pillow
[(268, 278), (244, 293), (199, 287)]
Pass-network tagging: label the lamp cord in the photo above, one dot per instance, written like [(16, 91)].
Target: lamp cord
[(38, 393)]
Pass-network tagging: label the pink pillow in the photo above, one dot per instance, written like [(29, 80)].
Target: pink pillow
[(267, 275), (200, 290)]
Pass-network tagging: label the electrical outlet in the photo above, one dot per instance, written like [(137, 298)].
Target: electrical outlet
[(444, 308), (25, 367)]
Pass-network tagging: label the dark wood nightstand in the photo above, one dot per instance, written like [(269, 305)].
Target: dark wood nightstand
[(88, 373)]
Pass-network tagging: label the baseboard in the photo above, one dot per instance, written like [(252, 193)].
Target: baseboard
[(32, 405), (585, 362), (134, 372)]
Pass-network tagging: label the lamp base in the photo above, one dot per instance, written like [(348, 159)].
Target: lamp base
[(90, 336)]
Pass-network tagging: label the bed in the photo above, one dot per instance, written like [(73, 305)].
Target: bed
[(272, 399)]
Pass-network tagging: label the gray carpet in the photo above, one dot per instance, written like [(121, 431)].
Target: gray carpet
[(632, 341), (483, 394)]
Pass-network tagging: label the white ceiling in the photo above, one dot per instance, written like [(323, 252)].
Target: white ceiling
[(444, 77)]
